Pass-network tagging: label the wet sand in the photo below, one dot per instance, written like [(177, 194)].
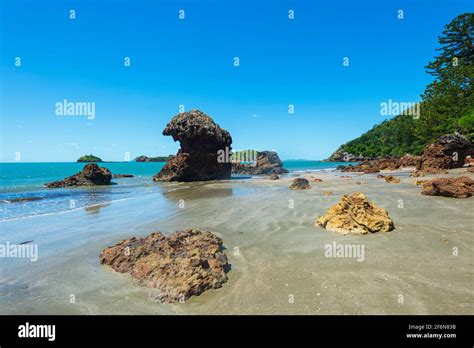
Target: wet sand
[(276, 253)]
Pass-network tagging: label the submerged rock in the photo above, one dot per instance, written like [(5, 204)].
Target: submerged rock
[(274, 177), (355, 214), (267, 162), (300, 184), (460, 187), (90, 175), (186, 263), (203, 144)]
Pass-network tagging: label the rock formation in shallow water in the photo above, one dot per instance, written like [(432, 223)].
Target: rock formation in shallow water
[(300, 184), (267, 162), (274, 177), (460, 187), (203, 146), (355, 214), (177, 267), (90, 175)]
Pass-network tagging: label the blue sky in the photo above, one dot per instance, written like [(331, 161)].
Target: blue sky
[(190, 62)]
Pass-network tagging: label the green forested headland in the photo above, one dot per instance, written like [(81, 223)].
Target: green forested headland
[(447, 104)]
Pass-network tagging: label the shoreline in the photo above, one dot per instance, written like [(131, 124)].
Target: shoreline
[(280, 252)]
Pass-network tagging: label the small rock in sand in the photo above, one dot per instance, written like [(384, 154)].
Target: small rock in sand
[(460, 187), (391, 179), (300, 184), (355, 214)]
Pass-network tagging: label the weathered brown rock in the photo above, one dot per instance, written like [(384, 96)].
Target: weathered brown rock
[(355, 214), (267, 162), (300, 184), (90, 175), (449, 151), (184, 264), (203, 144), (460, 187), (391, 179), (274, 177), (408, 161)]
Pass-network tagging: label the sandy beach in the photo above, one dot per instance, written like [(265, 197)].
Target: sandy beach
[(277, 255)]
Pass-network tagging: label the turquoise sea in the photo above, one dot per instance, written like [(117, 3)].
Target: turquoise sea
[(22, 193)]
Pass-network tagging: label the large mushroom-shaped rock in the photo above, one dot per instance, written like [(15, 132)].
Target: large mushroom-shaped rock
[(449, 151), (460, 187), (267, 162), (184, 264), (90, 175), (204, 148), (355, 214), (300, 184)]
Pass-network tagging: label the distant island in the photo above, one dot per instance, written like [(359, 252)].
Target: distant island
[(89, 158), (153, 159)]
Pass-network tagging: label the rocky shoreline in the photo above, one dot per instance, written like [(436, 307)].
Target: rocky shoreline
[(448, 152), (190, 262)]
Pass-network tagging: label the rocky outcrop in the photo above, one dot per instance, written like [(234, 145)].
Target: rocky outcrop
[(274, 177), (316, 180), (460, 187), (355, 214), (90, 175), (376, 165), (449, 151), (204, 149), (267, 162), (185, 264), (300, 184)]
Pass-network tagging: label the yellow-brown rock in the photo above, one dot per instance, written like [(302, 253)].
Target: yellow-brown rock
[(355, 214)]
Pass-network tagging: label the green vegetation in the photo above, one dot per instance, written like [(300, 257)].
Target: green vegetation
[(447, 104), (89, 158)]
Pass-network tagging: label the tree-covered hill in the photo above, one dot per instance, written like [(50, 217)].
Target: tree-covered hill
[(447, 103)]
